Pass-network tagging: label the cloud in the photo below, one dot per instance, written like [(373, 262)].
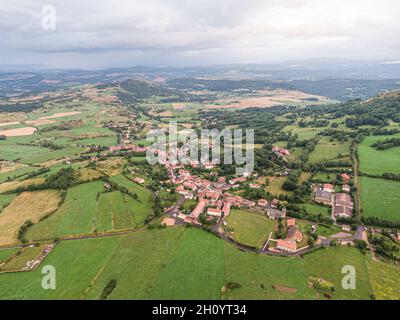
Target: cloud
[(198, 31)]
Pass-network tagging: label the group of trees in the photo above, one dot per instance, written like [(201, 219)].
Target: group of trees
[(385, 247), (386, 144)]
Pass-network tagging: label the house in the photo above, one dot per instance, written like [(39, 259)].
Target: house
[(208, 166), (214, 212), (199, 208), (328, 187), (323, 196), (346, 228), (190, 185), (293, 234), (226, 209), (290, 223), (254, 186), (280, 151), (345, 177), (274, 203), (275, 214), (346, 188), (221, 180), (139, 180), (287, 246), (107, 186), (237, 180), (248, 203), (262, 203)]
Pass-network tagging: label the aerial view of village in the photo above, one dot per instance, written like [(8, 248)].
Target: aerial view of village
[(239, 181)]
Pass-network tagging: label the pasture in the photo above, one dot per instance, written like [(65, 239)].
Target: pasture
[(329, 151), (184, 263), (275, 187), (249, 228), (384, 279), (328, 264), (377, 162), (379, 198), (88, 209)]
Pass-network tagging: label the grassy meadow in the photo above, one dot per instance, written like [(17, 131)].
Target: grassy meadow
[(249, 228), (377, 162), (379, 198), (186, 263)]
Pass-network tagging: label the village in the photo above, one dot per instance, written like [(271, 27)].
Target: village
[(216, 199)]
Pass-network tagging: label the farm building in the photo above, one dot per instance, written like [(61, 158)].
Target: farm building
[(275, 214), (343, 205), (323, 196), (287, 246)]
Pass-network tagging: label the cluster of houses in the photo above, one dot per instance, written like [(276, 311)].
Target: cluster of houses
[(341, 203), (213, 197), (127, 147), (293, 237)]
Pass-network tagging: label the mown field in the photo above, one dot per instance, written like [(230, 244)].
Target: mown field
[(377, 162), (379, 198), (186, 263), (249, 228)]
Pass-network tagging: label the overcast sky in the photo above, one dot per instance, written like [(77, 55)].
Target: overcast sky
[(100, 33)]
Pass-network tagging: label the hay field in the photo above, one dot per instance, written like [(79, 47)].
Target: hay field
[(13, 185), (27, 206)]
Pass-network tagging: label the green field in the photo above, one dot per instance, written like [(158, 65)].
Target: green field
[(249, 228), (87, 209), (328, 264), (379, 198), (377, 162), (316, 209), (303, 133), (275, 187), (5, 200), (329, 151), (20, 260), (6, 254), (183, 263), (384, 279), (75, 216)]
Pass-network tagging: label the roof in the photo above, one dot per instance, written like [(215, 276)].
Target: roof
[(199, 208), (287, 245), (291, 222), (328, 186), (274, 213), (343, 197), (343, 210), (226, 209), (323, 194), (345, 176)]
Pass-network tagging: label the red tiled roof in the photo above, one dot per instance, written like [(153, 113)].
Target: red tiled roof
[(291, 246)]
